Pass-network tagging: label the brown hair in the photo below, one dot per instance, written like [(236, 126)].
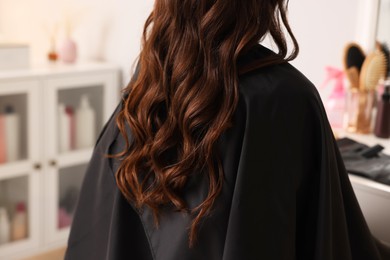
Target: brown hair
[(185, 94)]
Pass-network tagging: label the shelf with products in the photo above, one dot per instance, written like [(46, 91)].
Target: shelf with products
[(56, 113), (19, 157), (14, 208), (16, 120), (64, 183), (82, 104), (19, 210)]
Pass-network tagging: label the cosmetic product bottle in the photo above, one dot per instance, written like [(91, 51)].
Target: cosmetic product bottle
[(63, 129), (3, 155), (382, 125), (5, 227), (12, 130), (335, 105), (85, 124), (72, 130), (19, 222), (64, 219)]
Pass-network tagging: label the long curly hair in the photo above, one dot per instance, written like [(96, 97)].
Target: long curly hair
[(185, 94)]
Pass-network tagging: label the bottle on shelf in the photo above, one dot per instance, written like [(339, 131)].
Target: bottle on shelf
[(3, 154), (64, 125), (12, 134), (4, 227), (19, 228), (382, 124), (85, 124), (72, 131)]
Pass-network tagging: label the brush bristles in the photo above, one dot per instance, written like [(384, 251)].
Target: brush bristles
[(386, 51), (374, 69)]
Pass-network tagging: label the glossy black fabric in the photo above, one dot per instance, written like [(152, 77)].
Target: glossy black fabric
[(286, 193)]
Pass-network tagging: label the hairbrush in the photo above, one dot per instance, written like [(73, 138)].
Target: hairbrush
[(374, 68), (354, 57), (353, 77)]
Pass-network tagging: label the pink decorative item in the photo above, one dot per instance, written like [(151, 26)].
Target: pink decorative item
[(335, 105), (68, 51)]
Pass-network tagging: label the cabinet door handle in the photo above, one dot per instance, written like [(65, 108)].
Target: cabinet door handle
[(37, 166), (53, 163)]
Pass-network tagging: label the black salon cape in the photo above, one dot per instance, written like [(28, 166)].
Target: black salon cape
[(286, 193)]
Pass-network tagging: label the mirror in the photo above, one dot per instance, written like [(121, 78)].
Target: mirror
[(384, 22)]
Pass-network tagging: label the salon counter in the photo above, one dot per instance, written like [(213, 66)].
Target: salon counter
[(373, 197)]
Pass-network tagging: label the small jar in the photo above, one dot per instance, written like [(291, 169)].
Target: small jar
[(360, 108)]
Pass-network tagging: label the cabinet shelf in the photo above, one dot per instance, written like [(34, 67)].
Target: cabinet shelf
[(74, 157), (14, 246), (15, 169)]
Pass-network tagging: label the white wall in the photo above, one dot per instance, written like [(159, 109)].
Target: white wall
[(111, 29), (322, 27), (383, 30), (108, 29)]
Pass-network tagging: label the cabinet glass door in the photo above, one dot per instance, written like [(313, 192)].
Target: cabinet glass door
[(76, 109), (19, 119), (69, 183), (14, 210), (19, 206), (76, 112), (20, 166), (13, 128), (79, 117)]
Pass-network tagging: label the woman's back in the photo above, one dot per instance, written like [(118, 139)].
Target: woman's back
[(285, 195), (219, 149)]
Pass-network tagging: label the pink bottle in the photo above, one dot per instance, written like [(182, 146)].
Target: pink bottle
[(3, 153), (70, 112), (335, 105), (19, 227), (64, 219)]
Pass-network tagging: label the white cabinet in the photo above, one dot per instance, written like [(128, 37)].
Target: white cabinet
[(45, 181)]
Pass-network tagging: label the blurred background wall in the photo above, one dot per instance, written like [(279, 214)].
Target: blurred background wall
[(111, 30)]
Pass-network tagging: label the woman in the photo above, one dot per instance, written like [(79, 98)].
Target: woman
[(220, 150)]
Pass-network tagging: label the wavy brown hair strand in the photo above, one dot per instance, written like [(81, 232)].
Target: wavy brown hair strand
[(185, 94)]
